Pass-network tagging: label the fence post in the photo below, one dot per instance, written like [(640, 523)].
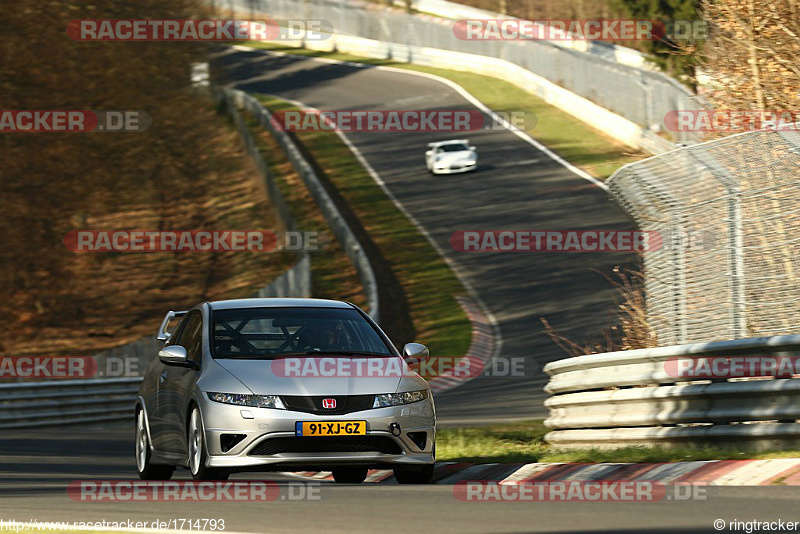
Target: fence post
[(736, 238)]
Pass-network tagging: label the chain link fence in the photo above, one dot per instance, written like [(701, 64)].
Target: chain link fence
[(640, 95), (729, 213)]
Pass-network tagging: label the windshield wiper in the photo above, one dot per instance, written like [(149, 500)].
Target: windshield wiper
[(306, 354), (245, 357), (331, 353)]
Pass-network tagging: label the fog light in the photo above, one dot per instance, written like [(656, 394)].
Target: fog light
[(229, 441), (394, 428), (419, 439)]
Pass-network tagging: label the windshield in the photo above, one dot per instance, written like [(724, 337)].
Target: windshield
[(458, 147), (274, 332)]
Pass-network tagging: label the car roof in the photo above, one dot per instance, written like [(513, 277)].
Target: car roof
[(277, 303)]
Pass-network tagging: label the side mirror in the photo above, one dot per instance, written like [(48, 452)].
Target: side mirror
[(174, 354), (472, 148), (428, 152), (415, 351)]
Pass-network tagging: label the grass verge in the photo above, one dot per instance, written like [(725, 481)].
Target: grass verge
[(572, 139), (425, 286), (524, 443)]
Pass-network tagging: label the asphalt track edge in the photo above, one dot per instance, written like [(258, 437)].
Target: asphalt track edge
[(784, 472)]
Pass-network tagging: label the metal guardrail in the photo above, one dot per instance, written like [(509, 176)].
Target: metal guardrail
[(630, 398), (60, 402)]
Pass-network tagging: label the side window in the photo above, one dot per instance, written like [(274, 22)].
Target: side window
[(177, 334), (192, 337)]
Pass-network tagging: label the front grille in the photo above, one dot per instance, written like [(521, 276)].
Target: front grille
[(287, 444), (344, 404)]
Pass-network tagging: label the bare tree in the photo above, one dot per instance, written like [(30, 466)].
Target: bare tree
[(752, 54)]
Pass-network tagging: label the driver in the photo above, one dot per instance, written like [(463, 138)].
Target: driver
[(325, 337)]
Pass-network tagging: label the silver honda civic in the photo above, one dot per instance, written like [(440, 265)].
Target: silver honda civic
[(283, 385)]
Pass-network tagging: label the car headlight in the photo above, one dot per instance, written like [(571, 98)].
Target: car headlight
[(470, 162), (396, 399), (254, 401)]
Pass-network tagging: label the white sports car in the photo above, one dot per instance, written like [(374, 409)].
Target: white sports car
[(448, 157)]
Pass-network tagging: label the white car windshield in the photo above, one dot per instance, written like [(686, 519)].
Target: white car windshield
[(456, 147)]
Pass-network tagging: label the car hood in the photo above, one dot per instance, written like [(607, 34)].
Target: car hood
[(270, 377), (456, 157)]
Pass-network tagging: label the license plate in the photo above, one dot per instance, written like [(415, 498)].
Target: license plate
[(331, 428)]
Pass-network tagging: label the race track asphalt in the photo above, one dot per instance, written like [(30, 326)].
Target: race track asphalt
[(37, 466)]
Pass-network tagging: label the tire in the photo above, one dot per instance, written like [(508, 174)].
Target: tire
[(412, 475), (198, 453), (349, 475), (146, 470)]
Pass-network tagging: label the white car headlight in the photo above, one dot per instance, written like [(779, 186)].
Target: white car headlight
[(396, 399), (253, 401)]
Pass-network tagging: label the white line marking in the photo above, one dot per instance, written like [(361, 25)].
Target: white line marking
[(756, 473), (525, 472)]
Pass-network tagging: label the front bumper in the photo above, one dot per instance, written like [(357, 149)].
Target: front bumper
[(454, 168), (266, 424)]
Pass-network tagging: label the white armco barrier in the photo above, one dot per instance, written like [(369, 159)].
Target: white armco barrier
[(636, 397)]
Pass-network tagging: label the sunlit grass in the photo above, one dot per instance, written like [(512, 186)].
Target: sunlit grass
[(524, 443)]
